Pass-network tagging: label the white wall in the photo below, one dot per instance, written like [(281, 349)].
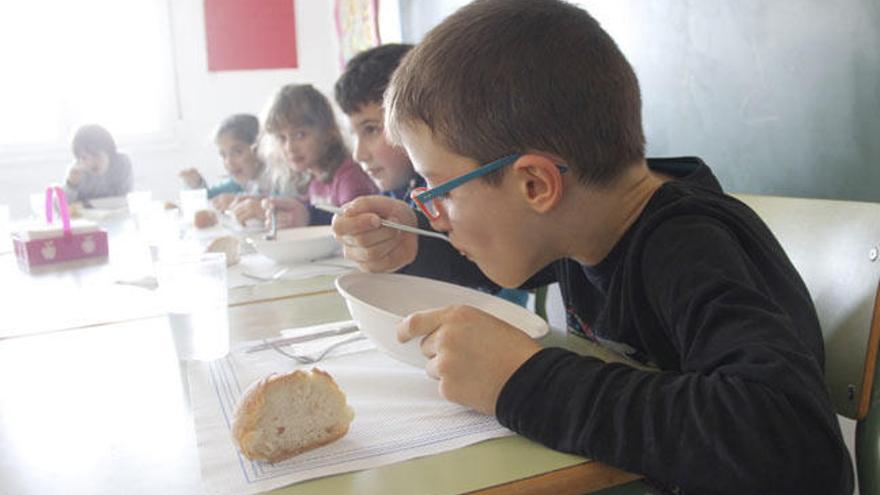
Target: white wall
[(205, 98)]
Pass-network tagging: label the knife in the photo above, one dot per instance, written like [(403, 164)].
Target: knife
[(298, 339)]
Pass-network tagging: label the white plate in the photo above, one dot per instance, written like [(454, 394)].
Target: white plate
[(298, 244), (378, 301)]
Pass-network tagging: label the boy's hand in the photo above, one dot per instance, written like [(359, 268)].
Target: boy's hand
[(75, 174), (365, 241), (191, 177), (223, 201), (289, 212), (471, 352), (246, 208)]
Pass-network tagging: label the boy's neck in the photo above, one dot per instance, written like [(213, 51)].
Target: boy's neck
[(610, 211)]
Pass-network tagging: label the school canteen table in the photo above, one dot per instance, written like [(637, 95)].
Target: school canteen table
[(90, 292), (101, 409), (91, 398)]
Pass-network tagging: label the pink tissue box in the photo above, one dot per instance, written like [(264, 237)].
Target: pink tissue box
[(58, 242), (50, 244)]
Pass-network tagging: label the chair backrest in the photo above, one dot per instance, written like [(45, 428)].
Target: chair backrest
[(835, 245)]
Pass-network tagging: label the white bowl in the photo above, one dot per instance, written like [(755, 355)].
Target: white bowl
[(298, 244), (378, 301)]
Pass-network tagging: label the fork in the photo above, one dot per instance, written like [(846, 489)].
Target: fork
[(309, 359)]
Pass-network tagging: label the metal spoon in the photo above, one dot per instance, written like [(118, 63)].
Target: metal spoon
[(390, 224), (273, 227)]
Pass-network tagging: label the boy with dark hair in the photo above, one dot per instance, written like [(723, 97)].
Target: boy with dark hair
[(359, 91), (525, 120)]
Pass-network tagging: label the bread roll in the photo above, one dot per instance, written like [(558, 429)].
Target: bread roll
[(284, 415), (229, 245), (204, 219)]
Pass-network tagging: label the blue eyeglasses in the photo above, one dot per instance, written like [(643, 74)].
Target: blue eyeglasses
[(426, 199)]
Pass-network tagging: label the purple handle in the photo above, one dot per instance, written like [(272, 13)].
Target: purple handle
[(62, 206)]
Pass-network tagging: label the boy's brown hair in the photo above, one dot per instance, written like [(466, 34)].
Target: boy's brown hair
[(301, 105), (504, 76), (366, 76), (93, 139)]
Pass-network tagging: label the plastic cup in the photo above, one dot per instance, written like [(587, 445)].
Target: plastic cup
[(193, 289), (138, 202), (191, 201)]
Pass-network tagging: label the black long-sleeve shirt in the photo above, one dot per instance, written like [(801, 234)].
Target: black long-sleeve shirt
[(699, 288)]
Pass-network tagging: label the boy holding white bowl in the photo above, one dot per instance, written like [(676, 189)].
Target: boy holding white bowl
[(525, 120)]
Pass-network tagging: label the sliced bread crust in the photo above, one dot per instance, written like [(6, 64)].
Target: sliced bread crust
[(283, 415)]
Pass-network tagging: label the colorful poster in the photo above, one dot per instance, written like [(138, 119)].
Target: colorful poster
[(357, 24), (248, 34)]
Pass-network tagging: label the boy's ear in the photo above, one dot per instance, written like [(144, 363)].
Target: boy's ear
[(539, 181)]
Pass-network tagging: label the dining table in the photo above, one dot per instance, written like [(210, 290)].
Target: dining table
[(94, 399)]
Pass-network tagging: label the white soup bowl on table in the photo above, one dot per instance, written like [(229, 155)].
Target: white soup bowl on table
[(298, 245), (379, 301)]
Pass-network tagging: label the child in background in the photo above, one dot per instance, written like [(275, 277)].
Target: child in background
[(301, 120), (525, 119), (358, 93), (99, 171), (236, 140)]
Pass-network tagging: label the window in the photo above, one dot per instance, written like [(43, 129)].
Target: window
[(70, 62)]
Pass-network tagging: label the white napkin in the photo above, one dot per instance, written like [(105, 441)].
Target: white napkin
[(399, 415)]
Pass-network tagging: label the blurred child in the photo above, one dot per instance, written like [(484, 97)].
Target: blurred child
[(301, 120), (236, 140), (99, 171), (359, 92), (525, 119)]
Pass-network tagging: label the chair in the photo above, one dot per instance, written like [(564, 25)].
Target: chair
[(835, 246)]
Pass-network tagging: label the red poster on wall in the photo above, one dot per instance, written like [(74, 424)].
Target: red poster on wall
[(248, 34)]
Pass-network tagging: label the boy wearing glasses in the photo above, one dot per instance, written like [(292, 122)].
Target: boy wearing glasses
[(358, 92), (525, 120)]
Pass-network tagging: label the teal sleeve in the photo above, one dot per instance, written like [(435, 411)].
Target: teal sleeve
[(227, 186)]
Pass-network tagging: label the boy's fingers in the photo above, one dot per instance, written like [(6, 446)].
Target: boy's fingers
[(352, 225), (419, 324), (431, 368), (379, 206), (365, 204), (234, 203)]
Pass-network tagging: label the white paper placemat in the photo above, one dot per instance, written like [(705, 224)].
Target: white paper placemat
[(399, 415)]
